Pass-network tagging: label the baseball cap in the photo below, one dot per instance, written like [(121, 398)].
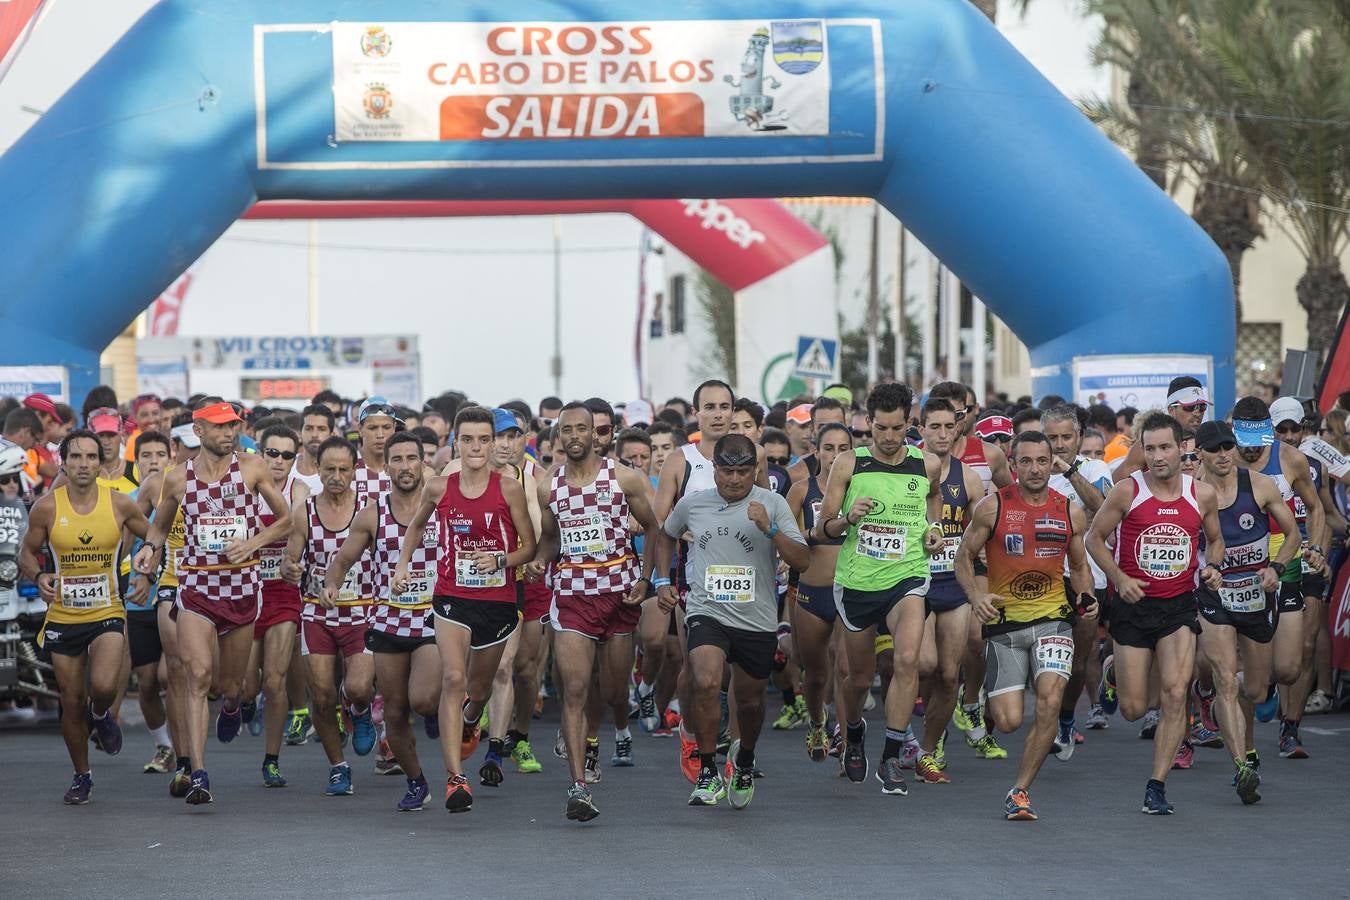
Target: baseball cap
[(1211, 435), (184, 435), (105, 420), (504, 420), (1284, 409), (377, 406), (41, 403), (1253, 432), (1188, 396), (800, 414), (994, 426), (840, 393), (638, 412), (217, 414)]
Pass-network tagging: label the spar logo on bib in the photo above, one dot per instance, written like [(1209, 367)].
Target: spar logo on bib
[(1164, 551)]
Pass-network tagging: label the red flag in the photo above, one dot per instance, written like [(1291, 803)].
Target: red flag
[(162, 320), (17, 18), (1339, 611)]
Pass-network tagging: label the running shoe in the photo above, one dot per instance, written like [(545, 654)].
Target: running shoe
[(623, 753), (272, 776), (1078, 736), (1248, 784), (161, 762), (580, 805), (910, 753), (81, 786), (1155, 802), (472, 734), (689, 763), (1017, 806), (731, 755), (741, 787), (109, 733), (837, 744), (647, 716), (483, 719), (927, 771), (417, 795), (299, 728), (708, 789), (724, 741), (817, 742), (342, 726), (1290, 745), (432, 726), (491, 774), (591, 765), (1063, 746), (1267, 708), (892, 777), (255, 721), (385, 763), (199, 793), (1150, 726), (180, 783), (1185, 757), (1106, 694), (363, 733), (987, 748), (940, 751), (228, 724), (523, 757), (787, 719), (1097, 719), (960, 719), (1205, 705), (458, 797), (339, 781), (1319, 701), (1202, 736), (559, 745), (1254, 760), (248, 711), (855, 758)]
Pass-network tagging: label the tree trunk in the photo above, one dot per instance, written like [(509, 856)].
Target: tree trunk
[(1151, 152), (1232, 220), (1323, 293), (988, 7)]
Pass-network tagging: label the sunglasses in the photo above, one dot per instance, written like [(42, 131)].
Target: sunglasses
[(1190, 457), (1223, 448), (603, 430), (274, 453), (12, 478), (964, 411), (1001, 438), (546, 422), (779, 460), (1192, 407), (1288, 429), (546, 460), (860, 432)]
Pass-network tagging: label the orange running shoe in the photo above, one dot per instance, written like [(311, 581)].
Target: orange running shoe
[(689, 761)]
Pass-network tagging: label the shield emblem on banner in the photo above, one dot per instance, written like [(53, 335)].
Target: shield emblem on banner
[(798, 47), (353, 350)]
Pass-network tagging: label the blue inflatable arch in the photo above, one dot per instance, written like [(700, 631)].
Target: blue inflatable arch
[(204, 108)]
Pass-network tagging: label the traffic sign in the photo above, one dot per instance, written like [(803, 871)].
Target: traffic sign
[(816, 357)]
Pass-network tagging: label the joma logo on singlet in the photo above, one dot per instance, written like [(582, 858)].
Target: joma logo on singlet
[(1164, 511)]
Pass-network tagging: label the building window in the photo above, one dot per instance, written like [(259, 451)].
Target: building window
[(1259, 358), (677, 305)]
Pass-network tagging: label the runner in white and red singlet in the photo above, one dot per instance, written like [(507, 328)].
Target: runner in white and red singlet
[(220, 588), (401, 635), (485, 534), (1156, 517), (598, 581)]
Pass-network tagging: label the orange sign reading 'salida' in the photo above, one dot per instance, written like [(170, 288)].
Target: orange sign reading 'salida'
[(571, 116)]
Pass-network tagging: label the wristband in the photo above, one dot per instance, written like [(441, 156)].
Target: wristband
[(935, 526), (773, 529), (1073, 468), (1313, 548), (153, 547), (658, 582)]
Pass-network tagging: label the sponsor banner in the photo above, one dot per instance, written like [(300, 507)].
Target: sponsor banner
[(398, 381), (281, 352), (162, 318), (20, 381), (1138, 381), (163, 377), (516, 81)]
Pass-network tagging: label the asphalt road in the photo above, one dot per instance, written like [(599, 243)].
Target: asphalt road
[(807, 833)]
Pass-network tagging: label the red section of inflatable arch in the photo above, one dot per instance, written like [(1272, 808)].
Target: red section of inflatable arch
[(739, 241)]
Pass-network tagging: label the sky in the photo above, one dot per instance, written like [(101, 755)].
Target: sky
[(407, 276)]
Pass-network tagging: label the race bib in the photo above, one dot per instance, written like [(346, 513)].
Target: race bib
[(585, 536), (466, 575), (348, 592), (420, 585), (85, 591), (1243, 594), (815, 510), (215, 533), (177, 563), (945, 561), (1054, 653), (1164, 551), (730, 584), (882, 542), (269, 563)]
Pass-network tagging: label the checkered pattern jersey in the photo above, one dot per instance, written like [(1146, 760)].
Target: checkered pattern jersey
[(369, 484), (400, 621), (321, 546), (212, 574), (269, 518), (591, 575)]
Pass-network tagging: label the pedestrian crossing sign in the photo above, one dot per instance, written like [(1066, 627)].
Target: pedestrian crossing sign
[(816, 357)]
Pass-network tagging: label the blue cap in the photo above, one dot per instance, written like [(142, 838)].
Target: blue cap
[(1254, 432), (377, 406), (505, 420)]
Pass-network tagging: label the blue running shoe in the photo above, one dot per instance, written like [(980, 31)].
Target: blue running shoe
[(339, 781), (1266, 709), (491, 774), (1064, 742), (1155, 801), (253, 716), (80, 787), (108, 732), (363, 733), (228, 724), (432, 726), (200, 791), (417, 795)]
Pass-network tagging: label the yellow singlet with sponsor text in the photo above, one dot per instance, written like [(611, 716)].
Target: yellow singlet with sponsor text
[(85, 549)]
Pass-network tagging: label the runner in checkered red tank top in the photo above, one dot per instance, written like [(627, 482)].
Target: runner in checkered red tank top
[(598, 583), (485, 534), (218, 492), (401, 634), (376, 423), (333, 619)]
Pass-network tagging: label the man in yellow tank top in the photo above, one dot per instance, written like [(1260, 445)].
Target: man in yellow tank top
[(80, 525)]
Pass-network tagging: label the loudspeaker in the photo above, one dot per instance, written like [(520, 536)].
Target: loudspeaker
[(1300, 374)]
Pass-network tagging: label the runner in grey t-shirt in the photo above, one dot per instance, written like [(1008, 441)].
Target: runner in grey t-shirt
[(739, 531)]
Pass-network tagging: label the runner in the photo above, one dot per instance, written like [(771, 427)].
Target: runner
[(947, 626), (316, 426), (219, 584), (1157, 517), (486, 533), (884, 502), (1239, 619), (376, 423), (825, 411), (597, 579), (401, 635), (739, 532), (81, 524), (1029, 532), (333, 622), (1187, 402)]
